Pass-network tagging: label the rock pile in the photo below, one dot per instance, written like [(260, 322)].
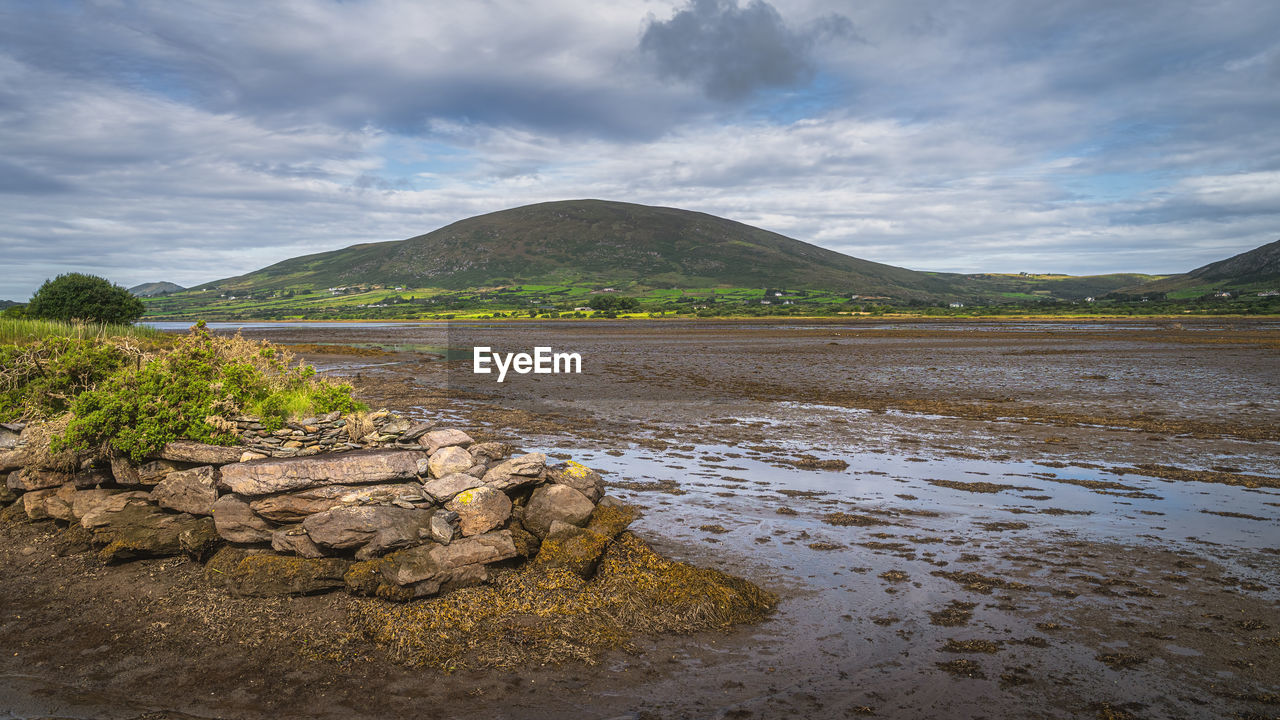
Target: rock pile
[(329, 433), (375, 504)]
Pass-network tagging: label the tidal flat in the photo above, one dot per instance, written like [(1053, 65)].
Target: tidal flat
[(963, 519)]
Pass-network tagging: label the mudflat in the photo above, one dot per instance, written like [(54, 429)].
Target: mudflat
[(962, 519)]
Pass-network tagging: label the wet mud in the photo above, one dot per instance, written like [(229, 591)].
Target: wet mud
[(1045, 520)]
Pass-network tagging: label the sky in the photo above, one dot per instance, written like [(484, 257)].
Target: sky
[(155, 140)]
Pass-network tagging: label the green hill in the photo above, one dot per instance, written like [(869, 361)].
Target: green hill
[(153, 289), (595, 242), (1253, 271)]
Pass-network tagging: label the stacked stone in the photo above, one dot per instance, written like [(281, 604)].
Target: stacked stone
[(397, 522), (328, 433)]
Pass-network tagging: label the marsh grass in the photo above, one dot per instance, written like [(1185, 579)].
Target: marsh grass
[(23, 331)]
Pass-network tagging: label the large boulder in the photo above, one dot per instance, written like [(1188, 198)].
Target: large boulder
[(140, 529), (193, 452), (191, 491), (579, 477), (297, 506), (480, 509), (435, 564), (517, 472), (269, 575), (449, 460), (274, 475), (444, 488), (237, 522), (556, 502), (437, 439), (372, 528), (578, 549)]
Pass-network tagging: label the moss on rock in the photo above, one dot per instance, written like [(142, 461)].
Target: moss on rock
[(543, 614)]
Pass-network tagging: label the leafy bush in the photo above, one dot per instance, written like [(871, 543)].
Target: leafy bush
[(190, 391), (76, 296)]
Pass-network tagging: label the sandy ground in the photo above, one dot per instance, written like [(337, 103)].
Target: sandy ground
[(963, 520)]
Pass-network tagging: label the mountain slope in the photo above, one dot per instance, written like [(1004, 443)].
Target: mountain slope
[(1256, 269), (153, 289), (596, 242)]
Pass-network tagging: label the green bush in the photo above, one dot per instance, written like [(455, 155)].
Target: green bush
[(191, 391), (76, 296)]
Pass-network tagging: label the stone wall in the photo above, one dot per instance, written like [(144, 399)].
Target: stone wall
[(374, 504)]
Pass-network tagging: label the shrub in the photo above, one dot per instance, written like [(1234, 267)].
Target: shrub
[(76, 296), (188, 392)]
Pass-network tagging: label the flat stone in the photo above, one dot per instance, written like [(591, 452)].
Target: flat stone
[(264, 477), (28, 479), (100, 512), (125, 471), (455, 579), (443, 489), (295, 540), (58, 505), (92, 478), (34, 503), (555, 502), (152, 472), (416, 431), (191, 491), (237, 522), (271, 575), (436, 439), (449, 460), (517, 472), (200, 453), (86, 501), (12, 459), (489, 451), (480, 509), (435, 561), (444, 526), (295, 507), (373, 528)]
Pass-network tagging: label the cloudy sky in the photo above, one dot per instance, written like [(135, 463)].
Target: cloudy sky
[(156, 140)]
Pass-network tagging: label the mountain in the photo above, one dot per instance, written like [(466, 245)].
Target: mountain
[(599, 243), (153, 289), (1255, 270), (8, 304)]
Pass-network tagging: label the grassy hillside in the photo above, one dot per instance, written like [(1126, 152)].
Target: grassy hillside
[(1257, 270), (593, 242)]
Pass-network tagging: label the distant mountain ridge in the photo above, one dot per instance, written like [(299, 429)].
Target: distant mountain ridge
[(153, 289)]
